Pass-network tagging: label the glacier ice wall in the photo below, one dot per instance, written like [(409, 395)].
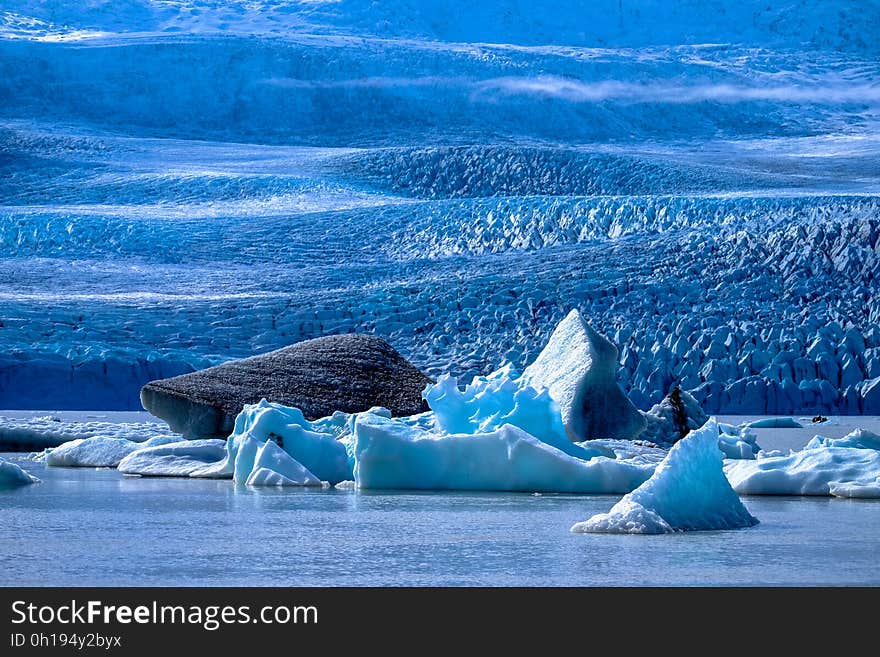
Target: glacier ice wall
[(184, 183)]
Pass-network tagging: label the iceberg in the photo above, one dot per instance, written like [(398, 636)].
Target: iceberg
[(37, 433), (679, 413), (578, 367), (99, 451), (673, 418), (814, 471), (274, 467), (737, 442), (857, 439), (635, 451), (854, 489), (12, 475), (320, 454), (688, 491), (178, 459), (391, 454), (488, 403), (775, 423)]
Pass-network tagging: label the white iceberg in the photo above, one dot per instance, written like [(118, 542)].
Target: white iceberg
[(814, 471), (321, 454), (634, 451), (392, 454), (855, 489), (737, 442), (857, 439), (578, 367), (99, 451), (688, 491), (38, 433), (178, 459), (12, 475)]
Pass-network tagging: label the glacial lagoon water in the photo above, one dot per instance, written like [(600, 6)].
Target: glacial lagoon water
[(98, 527)]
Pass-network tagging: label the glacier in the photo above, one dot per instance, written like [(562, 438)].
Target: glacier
[(702, 185), (688, 491)]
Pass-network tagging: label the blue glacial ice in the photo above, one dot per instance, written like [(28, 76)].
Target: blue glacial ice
[(701, 183), (392, 454), (13, 476), (488, 403), (775, 423), (688, 491), (312, 453)]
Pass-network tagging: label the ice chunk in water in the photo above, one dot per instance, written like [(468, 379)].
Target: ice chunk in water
[(275, 467), (178, 459), (688, 491), (390, 453), (13, 476), (99, 451)]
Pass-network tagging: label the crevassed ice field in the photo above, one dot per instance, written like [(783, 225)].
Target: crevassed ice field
[(187, 182)]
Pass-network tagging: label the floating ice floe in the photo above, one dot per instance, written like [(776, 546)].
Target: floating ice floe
[(38, 433), (98, 451), (737, 442), (320, 455), (392, 454), (178, 459), (634, 451), (13, 476), (821, 468), (775, 423), (857, 439), (688, 491), (578, 367), (855, 489)]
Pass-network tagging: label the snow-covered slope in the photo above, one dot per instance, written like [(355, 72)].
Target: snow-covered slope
[(187, 182)]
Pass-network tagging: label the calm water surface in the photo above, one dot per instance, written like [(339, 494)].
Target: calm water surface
[(97, 527)]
